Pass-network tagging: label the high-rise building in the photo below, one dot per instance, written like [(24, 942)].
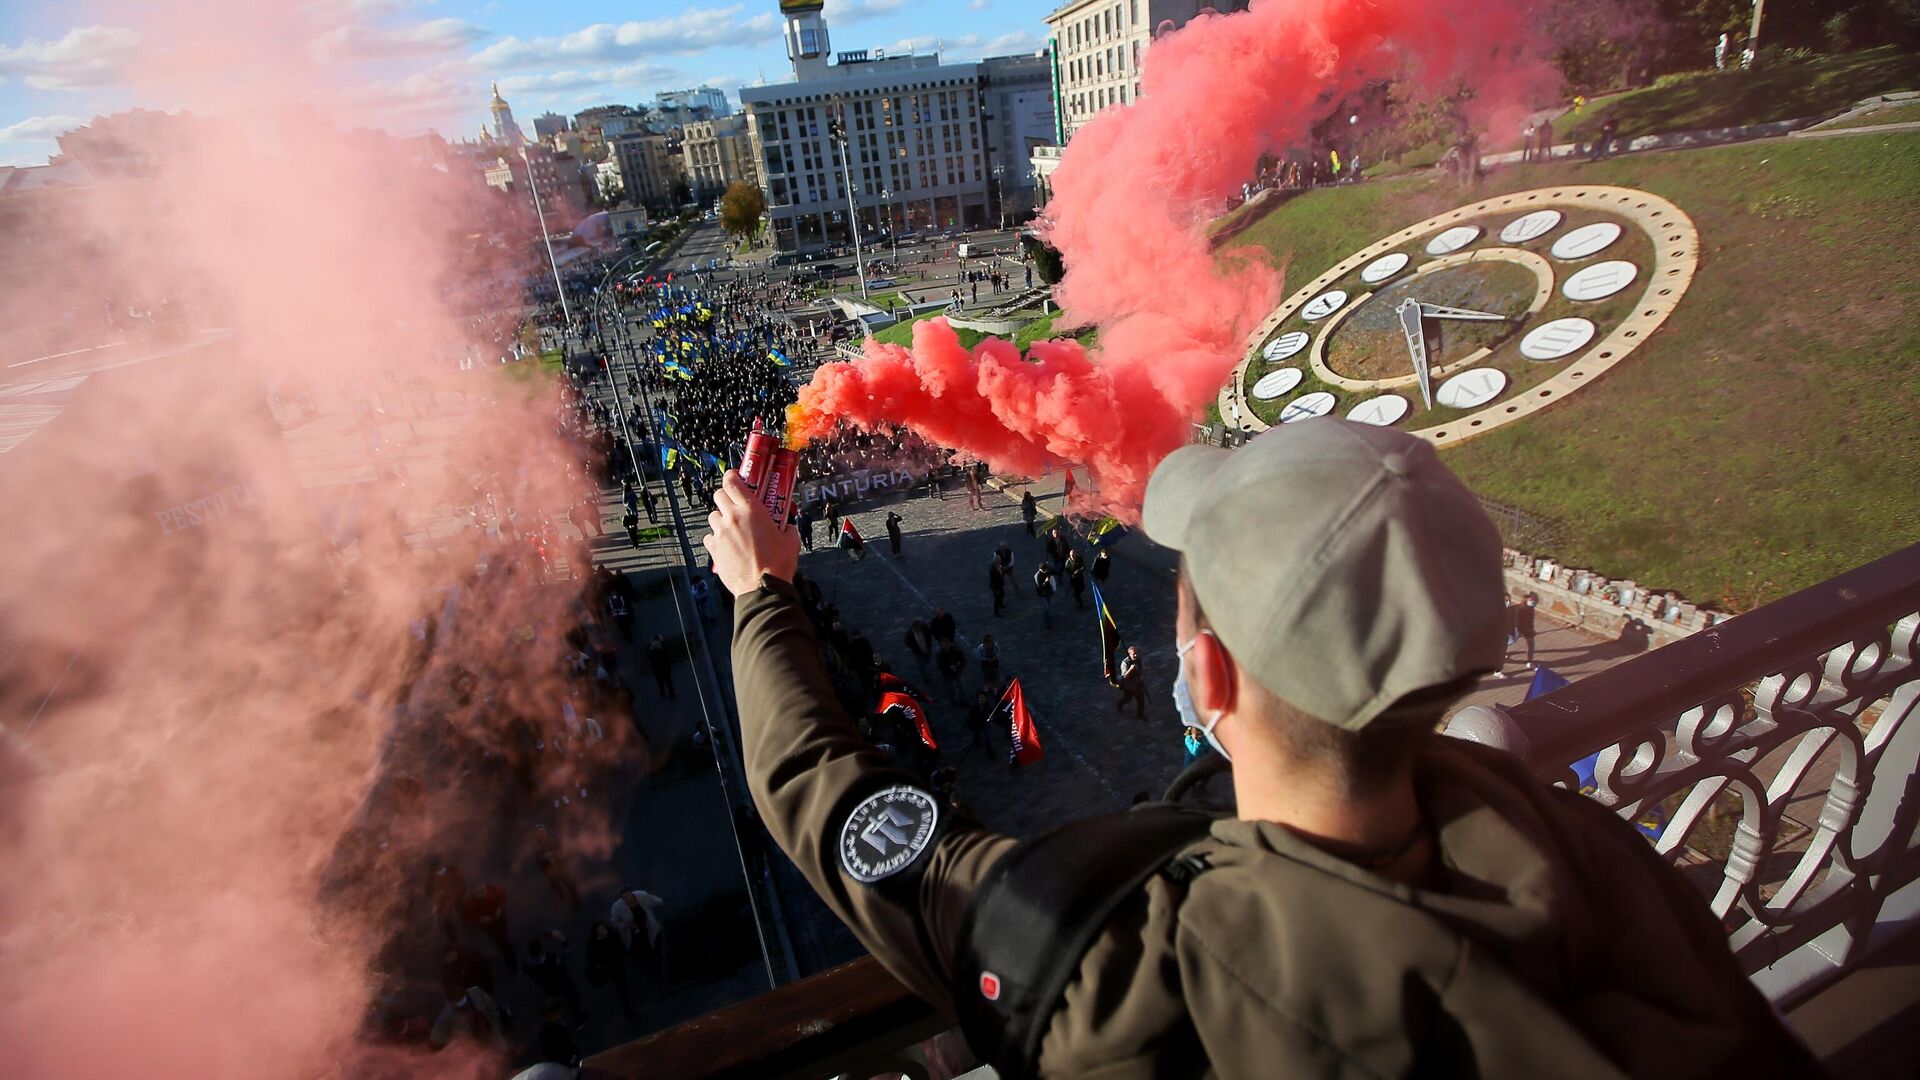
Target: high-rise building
[(699, 103), (718, 153), (557, 177), (650, 164), (1098, 47), (1019, 117), (602, 122), (549, 124), (915, 152), (504, 129)]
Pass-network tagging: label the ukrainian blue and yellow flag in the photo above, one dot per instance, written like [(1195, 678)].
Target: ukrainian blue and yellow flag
[(779, 357), (1106, 532), (1109, 633)]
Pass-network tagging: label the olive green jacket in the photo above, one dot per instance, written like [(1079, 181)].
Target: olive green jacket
[(1555, 941)]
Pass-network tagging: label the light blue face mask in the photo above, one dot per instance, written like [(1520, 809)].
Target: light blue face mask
[(1183, 700)]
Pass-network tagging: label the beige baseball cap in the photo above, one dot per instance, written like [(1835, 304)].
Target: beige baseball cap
[(1341, 564)]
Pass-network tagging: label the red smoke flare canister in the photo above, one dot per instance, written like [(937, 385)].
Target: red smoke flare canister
[(771, 470)]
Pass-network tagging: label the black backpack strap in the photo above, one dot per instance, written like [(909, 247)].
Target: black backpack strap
[(1038, 911)]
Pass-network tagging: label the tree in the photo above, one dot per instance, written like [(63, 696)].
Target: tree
[(740, 209), (1047, 264)]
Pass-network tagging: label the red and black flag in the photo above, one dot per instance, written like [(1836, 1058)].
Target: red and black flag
[(1109, 635), (1022, 734), (899, 700)]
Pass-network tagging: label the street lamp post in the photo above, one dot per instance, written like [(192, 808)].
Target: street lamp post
[(1000, 192), (837, 128), (545, 237), (893, 228)]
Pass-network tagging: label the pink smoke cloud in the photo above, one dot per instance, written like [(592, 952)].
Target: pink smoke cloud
[(1132, 198), (226, 745)]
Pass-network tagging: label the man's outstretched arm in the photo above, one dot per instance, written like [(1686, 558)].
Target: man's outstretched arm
[(897, 868)]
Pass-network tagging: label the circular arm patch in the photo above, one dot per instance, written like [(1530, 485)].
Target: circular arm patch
[(886, 833)]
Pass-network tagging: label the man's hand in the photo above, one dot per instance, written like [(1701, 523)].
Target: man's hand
[(746, 543)]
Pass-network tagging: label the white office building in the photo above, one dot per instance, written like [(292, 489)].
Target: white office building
[(916, 149), (1098, 47)]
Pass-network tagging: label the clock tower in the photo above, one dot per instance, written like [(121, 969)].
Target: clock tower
[(807, 43)]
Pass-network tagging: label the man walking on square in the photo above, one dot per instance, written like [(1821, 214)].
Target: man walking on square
[(1133, 684)]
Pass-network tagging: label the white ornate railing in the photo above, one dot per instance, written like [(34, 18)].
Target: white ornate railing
[(1776, 756)]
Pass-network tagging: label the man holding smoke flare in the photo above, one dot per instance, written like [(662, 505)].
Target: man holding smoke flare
[(1385, 901)]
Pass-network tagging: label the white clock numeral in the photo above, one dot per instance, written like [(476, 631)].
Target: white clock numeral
[(1586, 240), (1601, 280), (1323, 305), (1553, 340), (1530, 226), (1286, 345), (1453, 239)]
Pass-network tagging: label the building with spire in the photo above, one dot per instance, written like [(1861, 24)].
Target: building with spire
[(504, 128)]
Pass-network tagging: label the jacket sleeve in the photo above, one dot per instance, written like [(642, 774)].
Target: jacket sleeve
[(807, 766)]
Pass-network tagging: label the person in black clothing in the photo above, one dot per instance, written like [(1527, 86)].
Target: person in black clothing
[(997, 585), (953, 663), (942, 626), (1520, 625), (977, 716), (833, 517), (919, 642), (989, 656), (1004, 556), (893, 532), (1029, 510), (1077, 578), (1133, 684), (547, 966), (860, 656), (1057, 549), (607, 964), (1102, 566), (660, 659), (631, 522), (460, 969), (805, 524), (555, 1040), (652, 502), (1603, 143)]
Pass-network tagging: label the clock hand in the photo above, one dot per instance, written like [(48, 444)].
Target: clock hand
[(1436, 311), (1410, 313)]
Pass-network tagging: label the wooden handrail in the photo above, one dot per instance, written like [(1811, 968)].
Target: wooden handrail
[(812, 1028)]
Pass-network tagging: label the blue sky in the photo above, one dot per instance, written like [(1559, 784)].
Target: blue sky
[(426, 63)]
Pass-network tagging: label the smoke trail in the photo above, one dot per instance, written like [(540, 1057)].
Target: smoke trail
[(1133, 194), (215, 831)]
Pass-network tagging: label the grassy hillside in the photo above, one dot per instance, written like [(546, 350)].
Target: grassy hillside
[(1764, 438), (1779, 90)]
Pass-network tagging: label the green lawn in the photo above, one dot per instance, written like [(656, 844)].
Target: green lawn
[(1780, 90), (901, 333), (535, 373), (1763, 439)]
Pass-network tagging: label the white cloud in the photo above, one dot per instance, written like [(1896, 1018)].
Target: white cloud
[(430, 38), (88, 56), (1013, 43), (979, 5), (841, 12), (30, 142), (641, 74), (971, 46), (690, 32), (40, 128)]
